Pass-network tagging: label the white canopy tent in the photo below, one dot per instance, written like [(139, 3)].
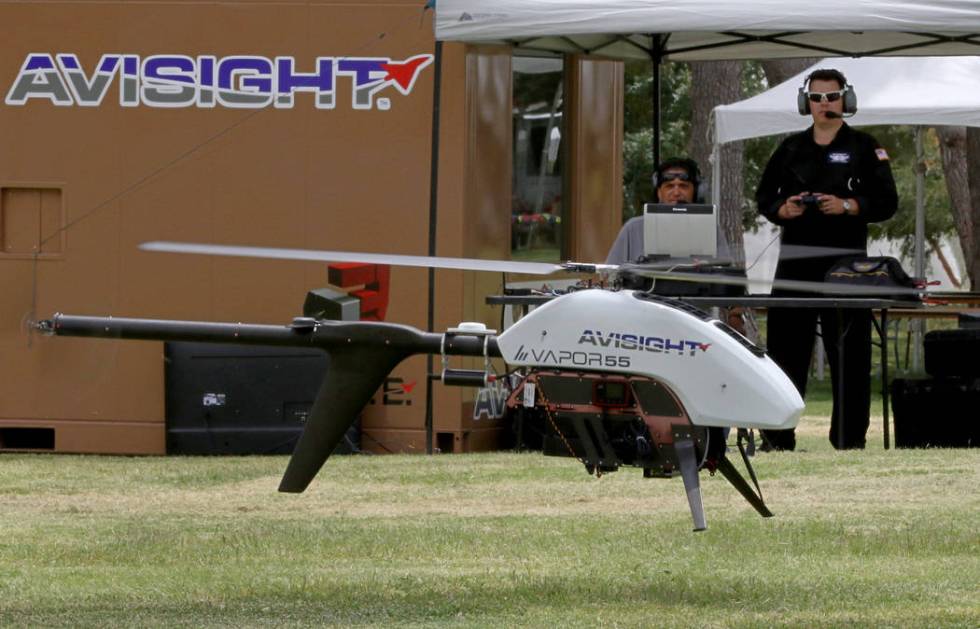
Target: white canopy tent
[(717, 29), (692, 30), (891, 90)]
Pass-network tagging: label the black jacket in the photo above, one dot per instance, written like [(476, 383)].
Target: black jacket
[(852, 166)]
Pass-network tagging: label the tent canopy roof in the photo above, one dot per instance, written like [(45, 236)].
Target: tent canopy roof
[(717, 29), (910, 90)]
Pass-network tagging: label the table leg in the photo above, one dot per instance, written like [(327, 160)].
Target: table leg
[(884, 373), (839, 386)]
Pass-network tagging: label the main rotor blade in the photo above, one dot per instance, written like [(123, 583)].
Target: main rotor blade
[(825, 288), (803, 252), (464, 264)]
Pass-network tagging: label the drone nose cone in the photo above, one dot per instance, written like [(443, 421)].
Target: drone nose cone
[(785, 402), (775, 403), (749, 392)]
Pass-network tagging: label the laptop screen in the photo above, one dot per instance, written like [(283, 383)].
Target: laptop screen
[(680, 231)]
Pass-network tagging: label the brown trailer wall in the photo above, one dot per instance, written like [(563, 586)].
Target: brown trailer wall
[(304, 177), (596, 155)]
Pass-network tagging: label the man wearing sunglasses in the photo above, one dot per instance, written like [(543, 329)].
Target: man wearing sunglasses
[(676, 181), (823, 186)]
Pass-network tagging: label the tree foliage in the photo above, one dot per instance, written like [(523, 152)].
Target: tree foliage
[(900, 143), (638, 127)]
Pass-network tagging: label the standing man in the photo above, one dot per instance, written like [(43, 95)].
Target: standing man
[(676, 181), (823, 186)]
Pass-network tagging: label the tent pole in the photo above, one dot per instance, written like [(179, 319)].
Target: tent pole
[(433, 206), (716, 173), (657, 58), (656, 112)]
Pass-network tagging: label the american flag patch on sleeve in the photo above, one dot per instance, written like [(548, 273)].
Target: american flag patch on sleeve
[(882, 155)]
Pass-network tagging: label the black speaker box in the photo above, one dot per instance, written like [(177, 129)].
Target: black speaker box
[(241, 399), (953, 352), (938, 412)]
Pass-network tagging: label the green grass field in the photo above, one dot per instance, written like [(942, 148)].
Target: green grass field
[(860, 539)]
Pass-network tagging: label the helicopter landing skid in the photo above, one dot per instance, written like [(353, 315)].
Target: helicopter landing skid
[(688, 462), (730, 472)]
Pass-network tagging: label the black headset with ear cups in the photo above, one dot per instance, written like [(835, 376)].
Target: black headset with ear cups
[(692, 169), (850, 96)]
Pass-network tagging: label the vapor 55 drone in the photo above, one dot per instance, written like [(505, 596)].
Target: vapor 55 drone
[(611, 377)]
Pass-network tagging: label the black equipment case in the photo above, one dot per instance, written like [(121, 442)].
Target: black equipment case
[(241, 399), (953, 352), (940, 412)]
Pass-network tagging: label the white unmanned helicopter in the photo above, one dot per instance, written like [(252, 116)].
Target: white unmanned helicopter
[(610, 377)]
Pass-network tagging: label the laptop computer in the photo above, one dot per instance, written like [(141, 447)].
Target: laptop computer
[(680, 231)]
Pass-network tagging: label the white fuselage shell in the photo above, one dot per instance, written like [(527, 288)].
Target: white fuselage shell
[(719, 381)]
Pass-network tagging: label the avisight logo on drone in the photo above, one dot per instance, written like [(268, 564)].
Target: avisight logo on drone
[(640, 342), (241, 81)]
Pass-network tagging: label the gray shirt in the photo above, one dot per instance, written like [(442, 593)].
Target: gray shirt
[(629, 243)]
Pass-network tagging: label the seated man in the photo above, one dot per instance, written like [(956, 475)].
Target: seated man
[(676, 181)]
